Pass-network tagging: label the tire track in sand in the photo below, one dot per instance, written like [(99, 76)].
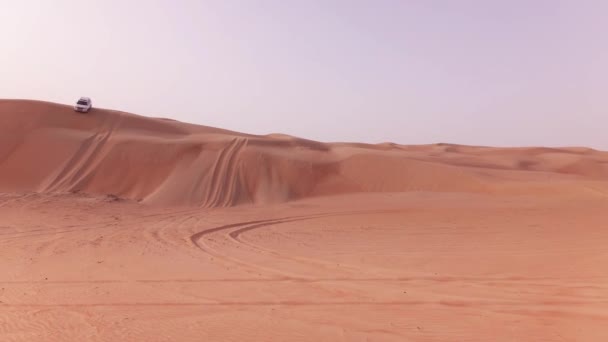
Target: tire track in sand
[(198, 239), (84, 160), (224, 175)]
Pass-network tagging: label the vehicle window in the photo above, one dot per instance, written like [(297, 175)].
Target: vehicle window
[(80, 102)]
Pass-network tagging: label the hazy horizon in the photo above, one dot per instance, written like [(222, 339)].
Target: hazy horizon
[(518, 73)]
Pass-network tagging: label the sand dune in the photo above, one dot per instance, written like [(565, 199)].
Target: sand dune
[(118, 227), (49, 148)]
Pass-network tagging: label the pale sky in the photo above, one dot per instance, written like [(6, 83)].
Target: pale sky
[(482, 72)]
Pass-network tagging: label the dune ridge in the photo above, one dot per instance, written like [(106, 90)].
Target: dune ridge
[(49, 148)]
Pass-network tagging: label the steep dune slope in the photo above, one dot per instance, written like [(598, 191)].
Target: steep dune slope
[(47, 147)]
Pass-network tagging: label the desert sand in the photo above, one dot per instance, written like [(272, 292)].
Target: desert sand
[(119, 227)]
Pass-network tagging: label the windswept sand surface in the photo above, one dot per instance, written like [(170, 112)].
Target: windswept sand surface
[(116, 227)]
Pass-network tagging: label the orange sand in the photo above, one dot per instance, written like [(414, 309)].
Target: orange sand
[(117, 227)]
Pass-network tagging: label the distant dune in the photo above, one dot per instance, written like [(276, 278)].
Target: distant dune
[(47, 148)]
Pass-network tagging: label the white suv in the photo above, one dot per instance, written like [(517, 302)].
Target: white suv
[(84, 104)]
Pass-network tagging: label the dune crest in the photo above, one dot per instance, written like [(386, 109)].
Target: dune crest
[(48, 148)]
